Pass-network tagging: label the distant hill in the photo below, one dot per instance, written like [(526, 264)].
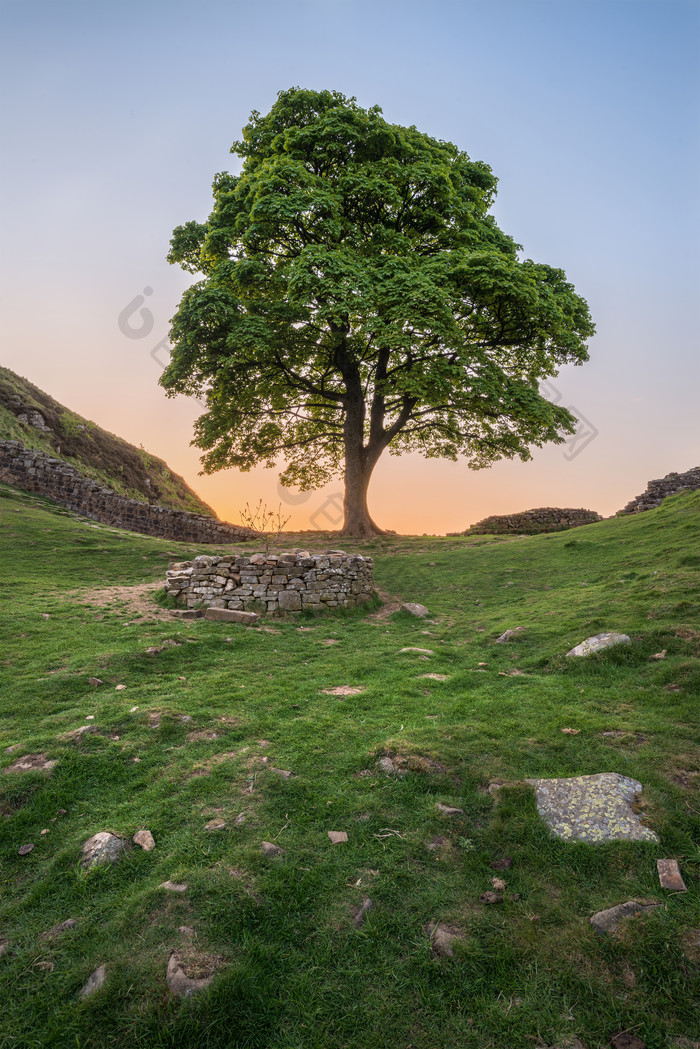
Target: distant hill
[(29, 415)]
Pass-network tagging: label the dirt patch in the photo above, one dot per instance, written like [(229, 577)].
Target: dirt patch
[(138, 599), (390, 605)]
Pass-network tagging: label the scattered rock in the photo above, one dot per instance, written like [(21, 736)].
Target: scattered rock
[(337, 836), (442, 939), (415, 609), (94, 982), (598, 643), (284, 773), (659, 655), (104, 847), (188, 613), (498, 884), (420, 651), (30, 762), (591, 808), (571, 731), (69, 923), (608, 920), (627, 1040), (180, 984), (145, 839), (670, 876), (270, 849), (362, 911), (232, 615), (120, 688), (436, 677), (78, 733), (173, 886), (342, 690), (95, 681), (448, 810), (508, 635), (502, 865), (24, 850), (491, 897)]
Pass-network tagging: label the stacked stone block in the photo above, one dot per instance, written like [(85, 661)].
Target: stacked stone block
[(59, 481), (271, 583), (660, 489), (533, 522)]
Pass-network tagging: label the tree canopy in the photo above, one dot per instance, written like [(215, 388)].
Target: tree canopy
[(356, 295)]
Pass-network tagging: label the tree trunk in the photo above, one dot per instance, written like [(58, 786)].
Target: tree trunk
[(358, 524)]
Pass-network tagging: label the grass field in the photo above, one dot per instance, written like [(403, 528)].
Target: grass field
[(225, 706)]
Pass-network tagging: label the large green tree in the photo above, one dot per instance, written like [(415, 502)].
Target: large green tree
[(356, 296)]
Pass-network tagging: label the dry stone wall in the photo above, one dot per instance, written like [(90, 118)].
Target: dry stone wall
[(657, 491), (273, 584), (59, 481), (532, 522)]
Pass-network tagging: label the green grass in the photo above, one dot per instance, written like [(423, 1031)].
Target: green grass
[(297, 973)]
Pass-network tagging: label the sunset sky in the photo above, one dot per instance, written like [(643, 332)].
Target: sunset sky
[(117, 117)]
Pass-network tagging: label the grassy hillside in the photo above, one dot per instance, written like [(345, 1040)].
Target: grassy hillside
[(97, 454), (200, 727)]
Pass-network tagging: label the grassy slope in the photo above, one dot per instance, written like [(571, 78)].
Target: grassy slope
[(298, 974), (97, 454)]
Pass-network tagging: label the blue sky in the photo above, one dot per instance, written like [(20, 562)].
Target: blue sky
[(118, 116)]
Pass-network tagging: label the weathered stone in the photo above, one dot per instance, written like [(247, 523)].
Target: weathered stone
[(270, 849), (508, 635), (533, 522), (95, 681), (419, 651), (337, 837), (61, 482), (598, 643), (607, 921), (448, 810), (104, 847), (231, 615), (94, 982), (442, 939), (188, 613), (289, 601), (173, 886), (69, 923), (415, 609), (658, 490), (24, 850), (180, 984), (145, 839), (31, 762), (591, 808), (436, 677), (670, 876), (284, 773), (362, 911)]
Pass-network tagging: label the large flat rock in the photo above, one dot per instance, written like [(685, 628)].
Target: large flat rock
[(591, 808)]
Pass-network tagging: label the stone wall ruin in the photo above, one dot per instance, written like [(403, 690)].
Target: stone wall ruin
[(60, 481), (273, 583)]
